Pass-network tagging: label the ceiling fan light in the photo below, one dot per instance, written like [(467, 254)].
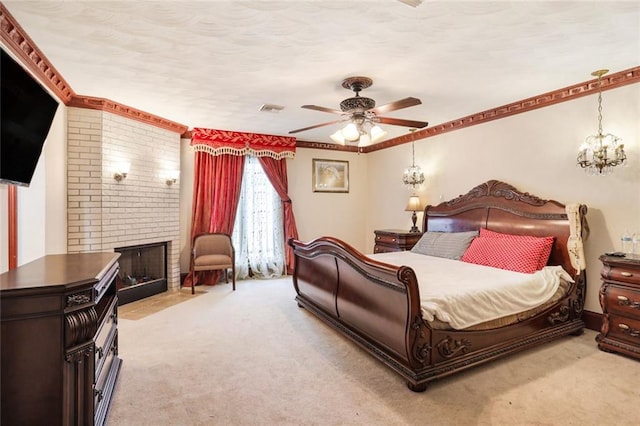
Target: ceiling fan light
[(338, 137), (364, 141), (377, 133), (351, 133)]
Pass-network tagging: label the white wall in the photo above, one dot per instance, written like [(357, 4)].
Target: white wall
[(41, 208), (535, 152)]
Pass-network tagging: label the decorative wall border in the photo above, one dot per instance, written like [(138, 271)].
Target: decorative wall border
[(17, 40), (21, 44), (589, 87), (107, 105)]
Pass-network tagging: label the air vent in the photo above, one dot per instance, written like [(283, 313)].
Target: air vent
[(270, 108)]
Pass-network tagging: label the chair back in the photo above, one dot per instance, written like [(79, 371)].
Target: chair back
[(215, 243)]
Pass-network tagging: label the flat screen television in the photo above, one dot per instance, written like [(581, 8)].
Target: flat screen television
[(27, 111)]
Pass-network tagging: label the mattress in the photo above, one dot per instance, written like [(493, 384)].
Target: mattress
[(465, 296)]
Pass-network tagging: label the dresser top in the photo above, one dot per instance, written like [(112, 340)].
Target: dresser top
[(66, 270)]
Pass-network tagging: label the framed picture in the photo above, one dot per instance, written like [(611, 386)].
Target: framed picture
[(330, 176)]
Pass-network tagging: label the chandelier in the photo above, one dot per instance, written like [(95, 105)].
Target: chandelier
[(362, 130), (600, 153), (413, 175)]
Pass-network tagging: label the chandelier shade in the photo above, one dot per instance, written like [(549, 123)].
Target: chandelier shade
[(413, 175), (601, 152)]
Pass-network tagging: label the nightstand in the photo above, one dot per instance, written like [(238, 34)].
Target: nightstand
[(620, 301), (395, 240)]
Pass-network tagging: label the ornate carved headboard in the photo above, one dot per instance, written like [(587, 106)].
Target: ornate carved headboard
[(500, 207)]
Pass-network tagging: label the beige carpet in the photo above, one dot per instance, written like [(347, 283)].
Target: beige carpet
[(252, 357)]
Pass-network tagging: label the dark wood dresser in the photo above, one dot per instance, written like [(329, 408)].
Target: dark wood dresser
[(620, 301), (395, 240), (59, 340)]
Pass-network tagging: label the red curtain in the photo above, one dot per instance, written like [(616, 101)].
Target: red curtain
[(219, 163), (216, 190), (276, 171)]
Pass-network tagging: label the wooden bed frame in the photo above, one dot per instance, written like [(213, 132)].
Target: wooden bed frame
[(377, 305)]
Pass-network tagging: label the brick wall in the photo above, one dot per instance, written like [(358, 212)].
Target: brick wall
[(140, 209)]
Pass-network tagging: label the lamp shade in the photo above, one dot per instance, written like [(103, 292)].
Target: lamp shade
[(414, 204)]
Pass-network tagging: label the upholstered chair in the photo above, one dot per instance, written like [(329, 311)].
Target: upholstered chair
[(213, 252)]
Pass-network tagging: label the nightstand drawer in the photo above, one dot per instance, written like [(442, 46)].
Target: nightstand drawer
[(388, 239), (624, 328), (622, 300), (621, 274), (394, 240)]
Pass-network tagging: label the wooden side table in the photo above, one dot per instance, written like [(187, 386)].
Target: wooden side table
[(395, 240), (620, 302)]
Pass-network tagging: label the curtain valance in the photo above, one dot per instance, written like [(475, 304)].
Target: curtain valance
[(219, 142)]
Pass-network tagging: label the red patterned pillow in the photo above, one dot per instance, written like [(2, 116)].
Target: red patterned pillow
[(511, 252), (546, 241)]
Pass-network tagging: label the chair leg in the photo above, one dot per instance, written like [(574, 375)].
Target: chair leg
[(233, 277), (193, 282), (226, 275)]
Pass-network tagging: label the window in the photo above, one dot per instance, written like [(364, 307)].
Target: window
[(258, 232)]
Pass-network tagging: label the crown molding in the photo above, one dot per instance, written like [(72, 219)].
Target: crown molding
[(612, 81), (21, 45), (90, 102), (16, 40), (326, 145)]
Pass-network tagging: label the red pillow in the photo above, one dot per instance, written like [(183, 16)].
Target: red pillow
[(547, 241), (511, 252)]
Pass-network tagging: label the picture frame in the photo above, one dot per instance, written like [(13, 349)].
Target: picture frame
[(330, 175)]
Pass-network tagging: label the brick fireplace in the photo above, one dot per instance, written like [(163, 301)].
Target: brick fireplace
[(103, 213)]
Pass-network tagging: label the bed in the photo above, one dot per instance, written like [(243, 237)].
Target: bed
[(378, 304)]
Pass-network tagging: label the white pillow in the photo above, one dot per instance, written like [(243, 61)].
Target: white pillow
[(450, 245)]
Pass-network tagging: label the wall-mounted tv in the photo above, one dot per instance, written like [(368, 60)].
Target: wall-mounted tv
[(27, 111)]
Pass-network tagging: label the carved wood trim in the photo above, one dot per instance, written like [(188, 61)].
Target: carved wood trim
[(12, 207), (80, 326), (329, 146), (612, 81), (17, 40), (90, 102), (498, 189)]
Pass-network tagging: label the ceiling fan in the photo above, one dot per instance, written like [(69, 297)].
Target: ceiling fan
[(361, 111)]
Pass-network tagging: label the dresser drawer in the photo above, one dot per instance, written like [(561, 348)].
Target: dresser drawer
[(621, 274), (105, 336), (624, 329), (622, 300), (104, 384)]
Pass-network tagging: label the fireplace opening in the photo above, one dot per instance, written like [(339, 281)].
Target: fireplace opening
[(143, 271)]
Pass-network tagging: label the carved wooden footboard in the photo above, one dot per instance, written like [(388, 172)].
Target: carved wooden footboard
[(377, 305)]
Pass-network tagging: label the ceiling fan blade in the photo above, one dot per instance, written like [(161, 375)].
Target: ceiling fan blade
[(401, 122), (315, 126), (402, 103), (323, 109)]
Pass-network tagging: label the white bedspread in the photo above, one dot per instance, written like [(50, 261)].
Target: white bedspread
[(464, 294)]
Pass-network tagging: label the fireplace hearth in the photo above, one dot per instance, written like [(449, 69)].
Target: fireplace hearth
[(143, 271)]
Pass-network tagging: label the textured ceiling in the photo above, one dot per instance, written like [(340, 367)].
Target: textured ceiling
[(214, 63)]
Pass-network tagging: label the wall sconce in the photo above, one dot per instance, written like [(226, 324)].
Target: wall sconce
[(414, 205), (121, 171), (172, 177)]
